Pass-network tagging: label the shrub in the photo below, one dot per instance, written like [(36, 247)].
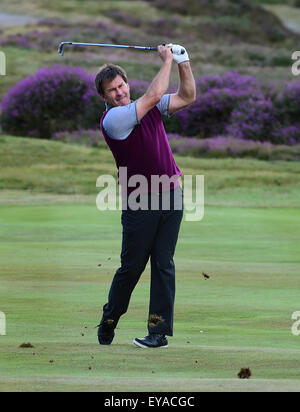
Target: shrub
[(287, 103), (91, 137), (51, 100), (289, 135), (17, 40), (231, 80), (240, 106), (224, 146), (253, 119), (210, 114), (137, 88)]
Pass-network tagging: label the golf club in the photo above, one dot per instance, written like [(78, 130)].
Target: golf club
[(69, 43)]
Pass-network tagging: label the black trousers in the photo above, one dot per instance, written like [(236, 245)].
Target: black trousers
[(148, 234)]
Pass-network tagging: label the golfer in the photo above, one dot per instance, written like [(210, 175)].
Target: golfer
[(135, 134)]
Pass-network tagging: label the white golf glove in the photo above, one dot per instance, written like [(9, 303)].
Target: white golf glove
[(178, 56)]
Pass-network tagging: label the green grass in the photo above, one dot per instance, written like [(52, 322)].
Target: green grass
[(52, 239), (41, 166), (52, 291)]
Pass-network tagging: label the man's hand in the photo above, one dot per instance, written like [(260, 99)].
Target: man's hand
[(165, 53), (177, 53)]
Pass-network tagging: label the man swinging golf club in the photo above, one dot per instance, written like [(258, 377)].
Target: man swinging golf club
[(135, 134)]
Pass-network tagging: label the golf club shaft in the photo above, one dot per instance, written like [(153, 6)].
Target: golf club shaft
[(63, 44), (69, 43)]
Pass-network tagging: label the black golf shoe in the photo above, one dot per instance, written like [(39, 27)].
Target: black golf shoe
[(154, 340), (106, 332)]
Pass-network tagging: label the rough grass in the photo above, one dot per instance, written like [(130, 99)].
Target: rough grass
[(76, 8), (290, 16), (41, 166)]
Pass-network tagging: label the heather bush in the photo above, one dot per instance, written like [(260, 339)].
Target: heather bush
[(17, 40), (232, 80), (288, 135), (287, 103), (242, 107), (253, 119), (48, 38), (232, 105), (217, 97), (51, 100), (225, 146), (90, 137), (137, 88)]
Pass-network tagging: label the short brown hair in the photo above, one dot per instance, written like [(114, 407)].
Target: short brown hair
[(108, 72)]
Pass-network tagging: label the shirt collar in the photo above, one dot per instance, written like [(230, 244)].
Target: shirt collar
[(108, 106)]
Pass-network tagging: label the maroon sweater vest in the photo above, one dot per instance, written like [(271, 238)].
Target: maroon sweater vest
[(146, 151)]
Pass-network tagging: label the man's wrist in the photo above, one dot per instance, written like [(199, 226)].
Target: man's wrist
[(168, 61), (184, 63)]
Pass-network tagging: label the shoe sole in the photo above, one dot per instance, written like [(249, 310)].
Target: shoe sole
[(140, 345)]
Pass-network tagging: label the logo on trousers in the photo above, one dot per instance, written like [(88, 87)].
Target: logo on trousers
[(2, 324), (2, 64)]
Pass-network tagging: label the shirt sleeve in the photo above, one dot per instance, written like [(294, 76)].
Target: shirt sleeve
[(120, 121), (163, 105)]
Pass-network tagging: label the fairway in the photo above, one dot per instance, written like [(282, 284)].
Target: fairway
[(52, 291)]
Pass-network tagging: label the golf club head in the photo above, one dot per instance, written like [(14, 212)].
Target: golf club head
[(61, 49)]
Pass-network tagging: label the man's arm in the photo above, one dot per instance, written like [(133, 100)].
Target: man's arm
[(186, 93), (159, 85)]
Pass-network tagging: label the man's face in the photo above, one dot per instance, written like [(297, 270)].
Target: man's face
[(116, 92)]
